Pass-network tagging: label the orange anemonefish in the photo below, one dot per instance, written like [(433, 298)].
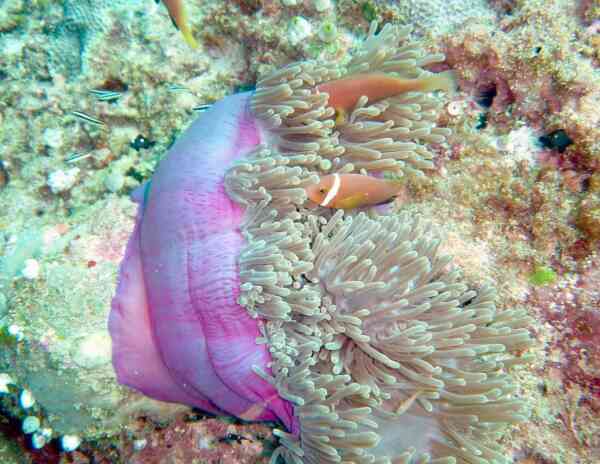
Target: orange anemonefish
[(344, 93), (348, 191), (179, 17)]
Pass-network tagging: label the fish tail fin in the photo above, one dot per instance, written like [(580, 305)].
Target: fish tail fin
[(397, 182), (445, 81), (188, 37), (184, 26)]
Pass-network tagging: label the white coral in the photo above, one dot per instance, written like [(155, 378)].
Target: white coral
[(61, 181)]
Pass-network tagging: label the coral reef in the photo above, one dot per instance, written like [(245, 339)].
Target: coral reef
[(506, 203), (433, 17), (57, 356), (207, 441)]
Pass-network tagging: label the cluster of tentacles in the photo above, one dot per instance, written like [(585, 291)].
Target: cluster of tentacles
[(385, 354)]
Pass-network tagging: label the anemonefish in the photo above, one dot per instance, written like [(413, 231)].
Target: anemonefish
[(349, 191), (344, 93), (179, 17)]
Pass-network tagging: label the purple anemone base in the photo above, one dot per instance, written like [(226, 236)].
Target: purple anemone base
[(178, 333)]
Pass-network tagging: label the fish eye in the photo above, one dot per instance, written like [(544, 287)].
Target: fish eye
[(322, 190)]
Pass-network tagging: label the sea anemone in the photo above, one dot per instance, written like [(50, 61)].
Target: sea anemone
[(348, 327)]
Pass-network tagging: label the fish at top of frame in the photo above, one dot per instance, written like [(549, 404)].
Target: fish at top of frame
[(179, 17)]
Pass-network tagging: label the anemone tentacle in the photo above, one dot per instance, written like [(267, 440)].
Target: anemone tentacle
[(386, 355)]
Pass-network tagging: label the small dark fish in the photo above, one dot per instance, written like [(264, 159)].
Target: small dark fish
[(74, 157), (141, 142), (88, 119), (233, 437), (557, 140), (105, 95), (201, 108)]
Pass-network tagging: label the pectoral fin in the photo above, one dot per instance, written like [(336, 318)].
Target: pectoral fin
[(353, 201)]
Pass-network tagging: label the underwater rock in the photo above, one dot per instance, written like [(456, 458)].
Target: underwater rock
[(442, 16), (60, 363)]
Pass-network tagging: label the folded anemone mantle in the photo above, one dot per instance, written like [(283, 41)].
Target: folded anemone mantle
[(349, 328)]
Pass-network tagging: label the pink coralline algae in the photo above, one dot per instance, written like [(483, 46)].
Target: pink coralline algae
[(237, 295), (571, 307)]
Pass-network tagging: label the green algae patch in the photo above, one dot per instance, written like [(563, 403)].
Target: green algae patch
[(369, 11), (7, 340), (543, 275)]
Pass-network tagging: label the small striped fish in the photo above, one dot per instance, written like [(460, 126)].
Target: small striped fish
[(201, 108), (105, 95), (88, 119), (74, 157), (177, 88)]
